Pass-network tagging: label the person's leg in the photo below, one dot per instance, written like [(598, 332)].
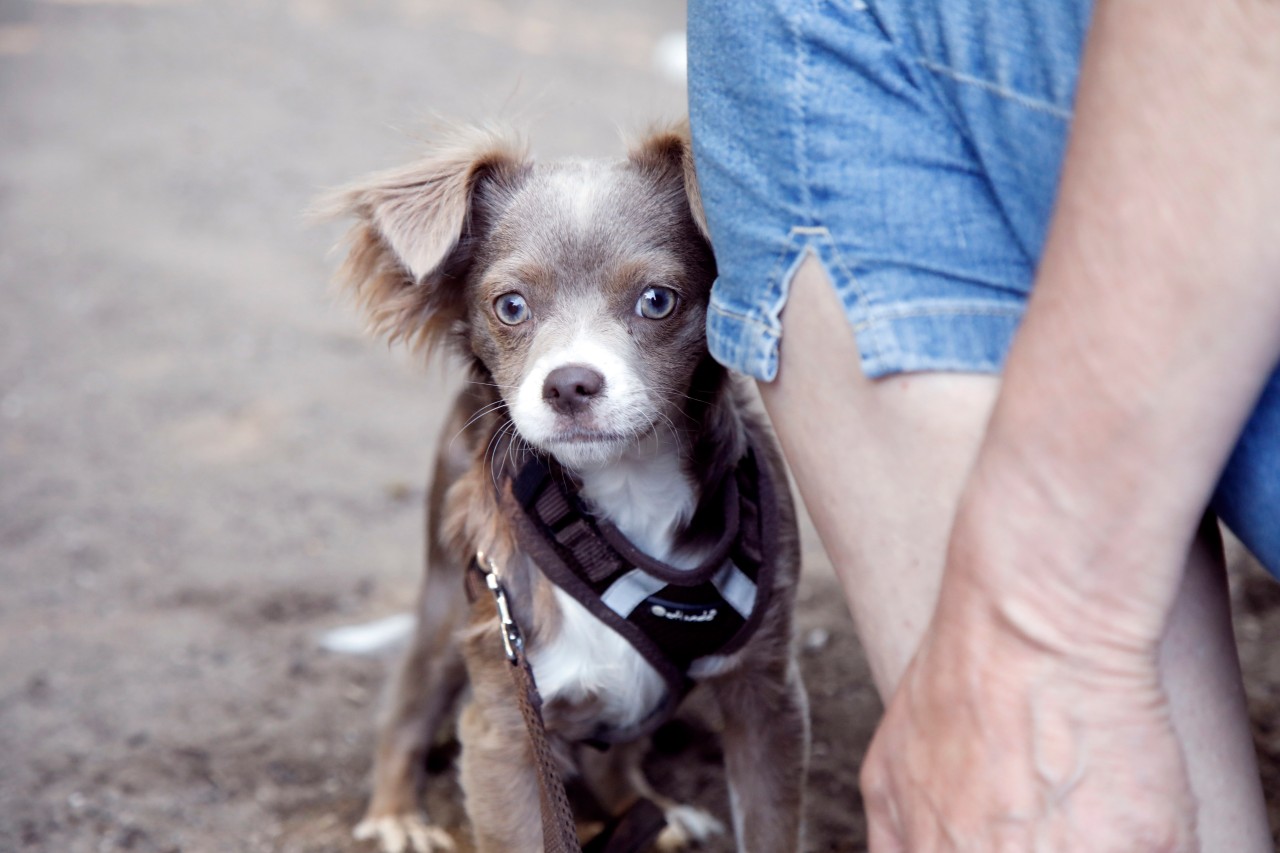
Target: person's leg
[(880, 464), (1201, 672), (1249, 491)]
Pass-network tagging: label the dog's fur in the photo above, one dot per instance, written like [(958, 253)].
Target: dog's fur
[(434, 247)]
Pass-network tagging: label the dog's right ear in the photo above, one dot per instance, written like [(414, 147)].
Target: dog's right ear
[(669, 150), (415, 229)]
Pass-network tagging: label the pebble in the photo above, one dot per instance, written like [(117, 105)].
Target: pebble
[(816, 640)]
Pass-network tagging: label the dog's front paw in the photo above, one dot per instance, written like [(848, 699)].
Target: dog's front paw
[(686, 827), (402, 833)]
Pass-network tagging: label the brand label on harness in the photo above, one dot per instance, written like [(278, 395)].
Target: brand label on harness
[(680, 616)]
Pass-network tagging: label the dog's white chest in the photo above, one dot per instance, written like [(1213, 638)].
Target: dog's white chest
[(646, 496)]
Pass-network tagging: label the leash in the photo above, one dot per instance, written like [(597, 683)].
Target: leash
[(637, 827), (559, 833)]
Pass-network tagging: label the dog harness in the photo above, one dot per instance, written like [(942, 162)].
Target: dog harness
[(673, 617)]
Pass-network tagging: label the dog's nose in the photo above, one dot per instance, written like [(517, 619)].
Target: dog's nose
[(570, 388)]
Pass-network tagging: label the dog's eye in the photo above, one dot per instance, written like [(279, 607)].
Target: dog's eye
[(511, 309), (656, 303)]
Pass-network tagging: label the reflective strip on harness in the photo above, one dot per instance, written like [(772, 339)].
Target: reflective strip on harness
[(628, 591), (737, 589), (632, 589)]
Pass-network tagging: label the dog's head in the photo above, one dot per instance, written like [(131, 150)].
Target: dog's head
[(578, 287)]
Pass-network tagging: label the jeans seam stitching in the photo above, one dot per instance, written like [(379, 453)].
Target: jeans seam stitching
[(741, 317), (890, 314), (870, 348), (1004, 92), (824, 237), (801, 138)]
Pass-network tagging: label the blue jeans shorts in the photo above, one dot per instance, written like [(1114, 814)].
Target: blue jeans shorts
[(913, 148)]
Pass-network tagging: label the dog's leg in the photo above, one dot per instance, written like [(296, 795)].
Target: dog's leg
[(616, 779), (431, 677), (687, 826), (766, 753), (499, 778), (426, 689)]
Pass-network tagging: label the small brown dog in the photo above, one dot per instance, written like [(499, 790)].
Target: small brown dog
[(633, 503)]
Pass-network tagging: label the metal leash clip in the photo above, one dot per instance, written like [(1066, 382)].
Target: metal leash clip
[(512, 641)]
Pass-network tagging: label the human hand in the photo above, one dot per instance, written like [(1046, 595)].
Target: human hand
[(994, 741)]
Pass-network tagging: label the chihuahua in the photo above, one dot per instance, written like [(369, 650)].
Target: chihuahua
[(618, 481)]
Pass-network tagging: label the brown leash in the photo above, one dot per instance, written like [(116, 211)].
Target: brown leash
[(635, 830), (559, 832)]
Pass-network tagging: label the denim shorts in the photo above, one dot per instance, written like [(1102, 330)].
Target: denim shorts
[(913, 148)]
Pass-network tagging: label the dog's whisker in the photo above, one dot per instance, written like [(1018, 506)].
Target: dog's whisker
[(490, 451), (491, 407), (488, 407), (665, 392), (503, 443), (699, 400), (526, 449), (480, 413), (671, 426), (489, 446), (491, 384), (510, 455)]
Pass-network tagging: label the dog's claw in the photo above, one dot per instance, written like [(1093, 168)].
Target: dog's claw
[(404, 833), (687, 826)]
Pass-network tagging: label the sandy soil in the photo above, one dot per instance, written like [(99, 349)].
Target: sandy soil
[(203, 463)]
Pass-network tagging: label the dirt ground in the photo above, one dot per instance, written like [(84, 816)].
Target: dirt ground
[(203, 463)]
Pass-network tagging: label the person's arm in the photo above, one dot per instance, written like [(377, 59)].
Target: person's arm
[(1156, 314), (1034, 704)]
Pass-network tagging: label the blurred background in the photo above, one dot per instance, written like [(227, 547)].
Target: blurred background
[(205, 465)]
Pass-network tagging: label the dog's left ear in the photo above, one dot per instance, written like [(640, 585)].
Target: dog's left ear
[(669, 151)]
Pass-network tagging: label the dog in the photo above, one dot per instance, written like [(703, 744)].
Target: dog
[(575, 292)]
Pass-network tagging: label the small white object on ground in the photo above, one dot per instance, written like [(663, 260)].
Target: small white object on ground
[(370, 638), (816, 640)]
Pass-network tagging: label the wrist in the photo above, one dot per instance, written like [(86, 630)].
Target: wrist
[(1037, 579), (1023, 666)]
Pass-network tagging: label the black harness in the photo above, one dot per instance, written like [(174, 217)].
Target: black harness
[(671, 616)]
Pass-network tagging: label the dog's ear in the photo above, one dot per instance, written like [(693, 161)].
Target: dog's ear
[(668, 151), (416, 228)]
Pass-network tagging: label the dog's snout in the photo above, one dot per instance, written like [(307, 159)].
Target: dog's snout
[(568, 389)]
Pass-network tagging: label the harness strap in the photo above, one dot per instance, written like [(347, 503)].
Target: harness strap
[(556, 562), (593, 557)]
